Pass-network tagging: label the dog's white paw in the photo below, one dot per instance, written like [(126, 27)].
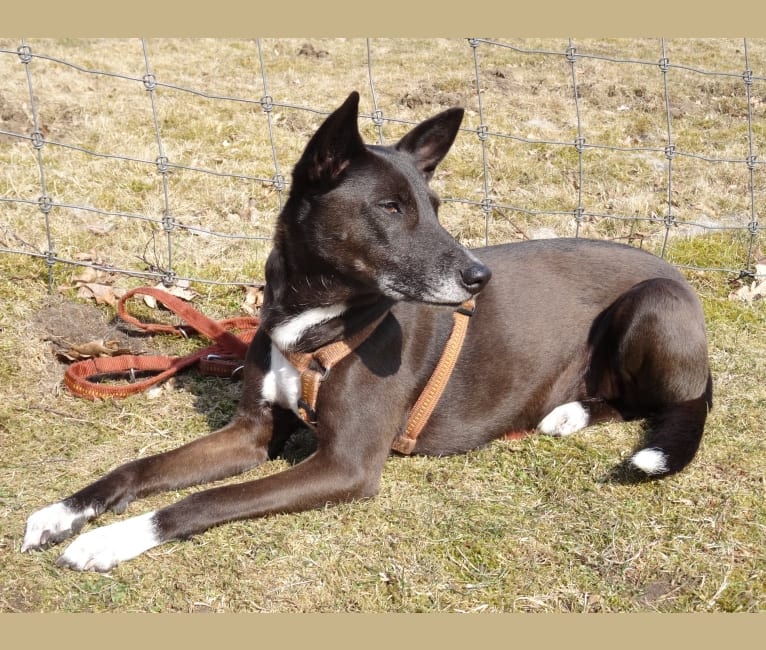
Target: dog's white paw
[(102, 548), (564, 420), (52, 524)]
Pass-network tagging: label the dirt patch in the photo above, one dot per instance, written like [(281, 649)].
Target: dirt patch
[(59, 323), (54, 121), (14, 120), (78, 322), (431, 96), (656, 591), (307, 49)]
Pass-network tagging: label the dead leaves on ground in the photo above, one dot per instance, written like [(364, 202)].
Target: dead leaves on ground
[(253, 300), (755, 290), (180, 289), (97, 284), (70, 352), (103, 294), (93, 283)]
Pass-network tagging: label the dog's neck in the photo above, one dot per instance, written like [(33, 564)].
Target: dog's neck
[(307, 305)]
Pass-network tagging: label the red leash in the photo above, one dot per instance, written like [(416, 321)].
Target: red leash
[(222, 358)]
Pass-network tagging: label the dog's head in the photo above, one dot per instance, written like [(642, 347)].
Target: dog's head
[(369, 214)]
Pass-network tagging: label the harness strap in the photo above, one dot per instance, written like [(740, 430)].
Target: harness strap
[(315, 366), (404, 443)]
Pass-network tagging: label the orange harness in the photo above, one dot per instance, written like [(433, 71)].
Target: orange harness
[(306, 363)]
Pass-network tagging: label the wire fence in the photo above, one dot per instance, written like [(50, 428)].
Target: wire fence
[(560, 138)]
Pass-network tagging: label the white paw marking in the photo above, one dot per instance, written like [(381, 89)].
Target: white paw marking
[(102, 548), (52, 523), (651, 461), (564, 420)]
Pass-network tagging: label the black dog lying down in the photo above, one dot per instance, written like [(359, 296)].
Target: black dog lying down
[(566, 333)]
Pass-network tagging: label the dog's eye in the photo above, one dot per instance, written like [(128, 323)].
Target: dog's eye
[(392, 207)]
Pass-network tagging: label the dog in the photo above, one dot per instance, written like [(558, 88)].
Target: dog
[(564, 333)]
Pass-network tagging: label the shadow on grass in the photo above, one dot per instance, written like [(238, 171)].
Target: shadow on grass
[(217, 398), (626, 474)]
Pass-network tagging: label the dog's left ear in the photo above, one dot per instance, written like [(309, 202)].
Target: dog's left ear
[(430, 141)]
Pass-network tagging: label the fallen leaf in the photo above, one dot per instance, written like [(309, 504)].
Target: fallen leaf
[(180, 290), (102, 293), (91, 349), (90, 256), (253, 300), (89, 274), (750, 293)]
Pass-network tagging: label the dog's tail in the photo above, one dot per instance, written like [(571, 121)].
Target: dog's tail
[(673, 436)]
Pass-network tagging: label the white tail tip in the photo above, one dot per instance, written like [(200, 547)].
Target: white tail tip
[(650, 461)]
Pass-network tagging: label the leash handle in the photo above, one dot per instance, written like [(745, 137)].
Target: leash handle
[(221, 358)]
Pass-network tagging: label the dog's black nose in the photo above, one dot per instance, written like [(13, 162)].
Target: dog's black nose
[(475, 277)]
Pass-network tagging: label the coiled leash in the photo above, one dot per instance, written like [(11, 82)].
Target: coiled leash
[(222, 358)]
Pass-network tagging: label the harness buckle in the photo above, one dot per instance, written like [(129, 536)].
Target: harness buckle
[(311, 415), (322, 372)]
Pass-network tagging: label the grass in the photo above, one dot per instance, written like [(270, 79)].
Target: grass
[(524, 526), (518, 526)]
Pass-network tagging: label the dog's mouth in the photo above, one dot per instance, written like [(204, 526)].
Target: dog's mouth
[(448, 294)]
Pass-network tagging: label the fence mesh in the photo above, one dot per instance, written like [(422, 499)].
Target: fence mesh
[(166, 159)]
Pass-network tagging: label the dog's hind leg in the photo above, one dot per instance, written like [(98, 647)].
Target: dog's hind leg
[(650, 362)]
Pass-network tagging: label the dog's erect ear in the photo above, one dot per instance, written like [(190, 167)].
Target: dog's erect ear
[(430, 141), (332, 147)]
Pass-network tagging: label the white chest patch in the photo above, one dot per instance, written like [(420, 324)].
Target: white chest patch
[(282, 383), (290, 332)]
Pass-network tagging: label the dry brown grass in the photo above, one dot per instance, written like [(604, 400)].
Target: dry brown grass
[(521, 526)]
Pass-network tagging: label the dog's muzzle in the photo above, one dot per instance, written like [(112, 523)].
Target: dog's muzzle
[(475, 277)]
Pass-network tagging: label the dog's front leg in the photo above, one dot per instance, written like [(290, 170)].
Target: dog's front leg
[(240, 445), (332, 474)]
